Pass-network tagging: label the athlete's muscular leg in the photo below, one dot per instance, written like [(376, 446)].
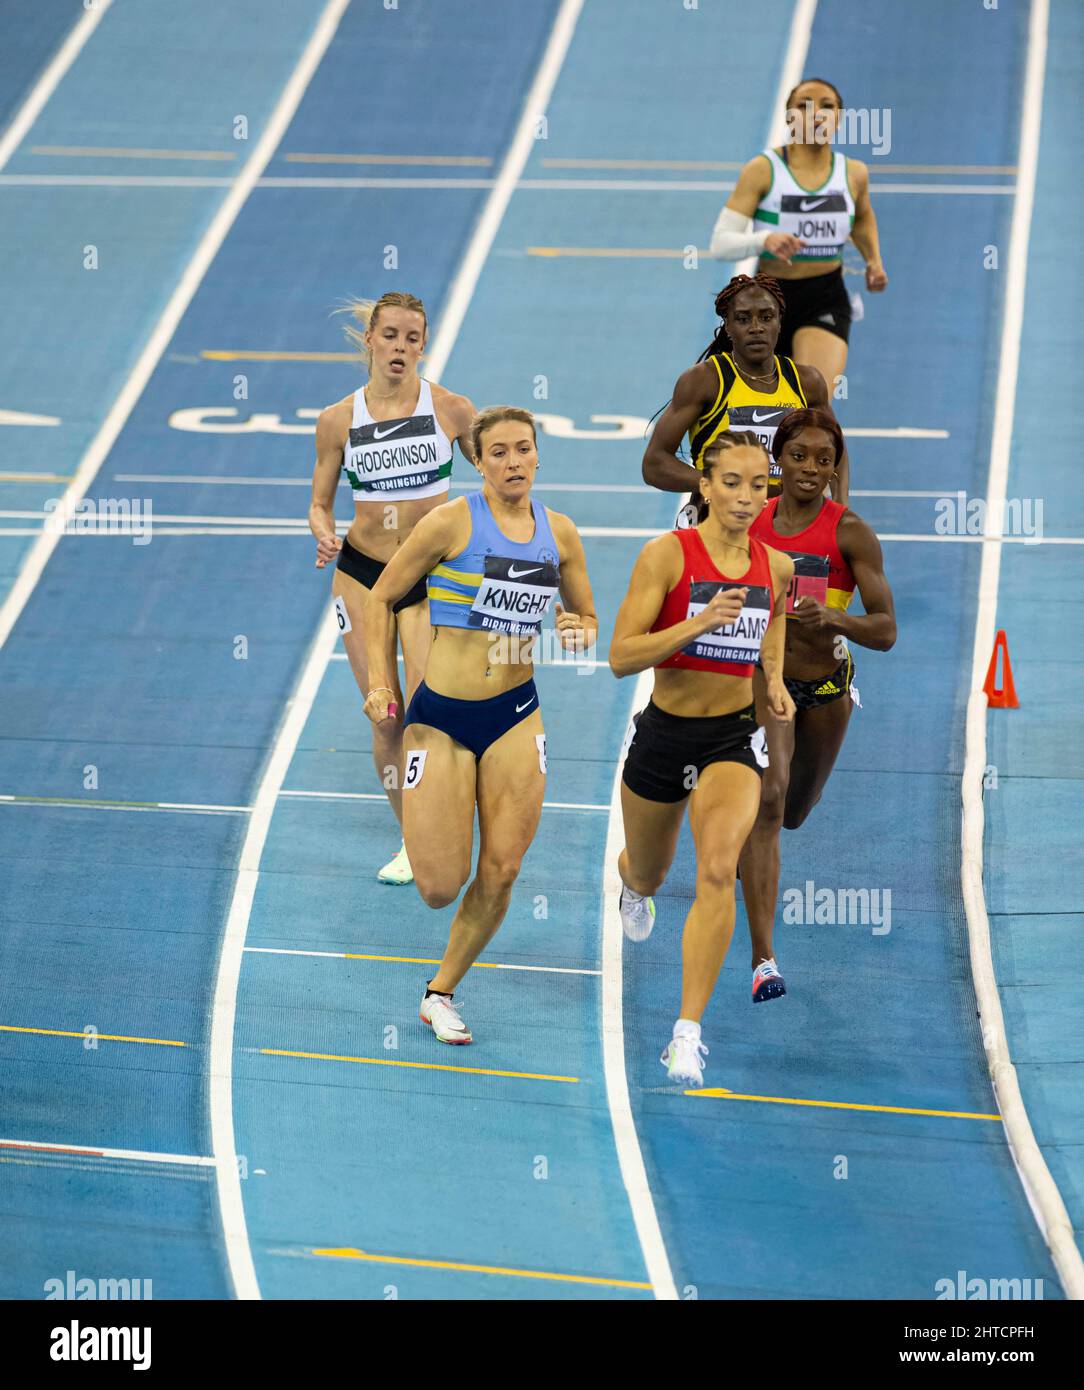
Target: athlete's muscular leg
[(818, 737), (511, 784), (721, 813), (823, 350), (759, 859), (439, 778), (388, 734), (651, 835)]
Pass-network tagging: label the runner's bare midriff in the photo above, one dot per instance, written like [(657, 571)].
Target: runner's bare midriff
[(379, 528), (477, 665)]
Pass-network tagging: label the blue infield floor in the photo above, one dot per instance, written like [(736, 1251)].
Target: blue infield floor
[(144, 687)]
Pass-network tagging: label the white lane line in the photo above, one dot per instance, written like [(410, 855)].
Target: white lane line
[(293, 531), (801, 27), (452, 184), (223, 1141), (455, 307), (299, 706), (469, 486), (349, 955), (50, 79), (82, 1151), (379, 796), (1042, 1192), (629, 1156), (39, 553)]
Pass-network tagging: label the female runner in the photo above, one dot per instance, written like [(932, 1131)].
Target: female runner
[(703, 604), (833, 550), (739, 384), (473, 731), (795, 207), (394, 438)]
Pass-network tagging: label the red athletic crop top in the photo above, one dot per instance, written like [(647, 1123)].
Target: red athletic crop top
[(731, 650), (819, 567)]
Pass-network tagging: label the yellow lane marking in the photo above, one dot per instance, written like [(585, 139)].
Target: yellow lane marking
[(246, 355), (718, 1093), (875, 167), (103, 1037), (348, 1253), (116, 805), (426, 1066), (35, 478), (636, 252), (121, 152), (472, 160)]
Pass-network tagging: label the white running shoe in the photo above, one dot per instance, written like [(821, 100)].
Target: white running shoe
[(443, 1017), (767, 982), (637, 914), (397, 870), (683, 1060)]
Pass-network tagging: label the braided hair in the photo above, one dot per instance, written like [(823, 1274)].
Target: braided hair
[(725, 297)]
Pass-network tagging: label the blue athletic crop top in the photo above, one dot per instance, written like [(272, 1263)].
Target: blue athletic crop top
[(497, 584)]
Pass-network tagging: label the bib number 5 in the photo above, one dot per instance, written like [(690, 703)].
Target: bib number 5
[(415, 766)]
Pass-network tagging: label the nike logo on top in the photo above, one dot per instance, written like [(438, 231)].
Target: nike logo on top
[(521, 708), (378, 433), (808, 204), (518, 574), (759, 419)]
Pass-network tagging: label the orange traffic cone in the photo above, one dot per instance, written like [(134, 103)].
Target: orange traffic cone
[(1005, 698)]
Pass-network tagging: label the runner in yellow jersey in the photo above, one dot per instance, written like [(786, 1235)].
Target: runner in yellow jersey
[(737, 384)]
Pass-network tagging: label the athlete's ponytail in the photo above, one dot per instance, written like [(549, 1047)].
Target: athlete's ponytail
[(366, 311)]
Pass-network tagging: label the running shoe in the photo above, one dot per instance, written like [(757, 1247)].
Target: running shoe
[(397, 870), (637, 914), (684, 1059), (767, 982), (443, 1017)]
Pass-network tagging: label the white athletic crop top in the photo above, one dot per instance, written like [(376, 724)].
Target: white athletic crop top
[(397, 459), (822, 217)]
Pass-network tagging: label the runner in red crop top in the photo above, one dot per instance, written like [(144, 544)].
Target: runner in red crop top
[(833, 552), (703, 606)]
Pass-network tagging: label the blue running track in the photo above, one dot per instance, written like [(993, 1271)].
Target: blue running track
[(144, 686)]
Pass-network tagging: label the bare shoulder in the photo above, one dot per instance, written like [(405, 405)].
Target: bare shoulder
[(782, 564), (662, 558), (333, 422), (858, 172), (457, 410)]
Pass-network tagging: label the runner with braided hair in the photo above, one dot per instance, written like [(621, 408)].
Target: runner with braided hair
[(743, 387)]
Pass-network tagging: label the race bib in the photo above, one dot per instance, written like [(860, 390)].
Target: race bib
[(342, 617), (821, 220), (737, 641), (514, 595), (415, 766), (763, 421), (810, 579)]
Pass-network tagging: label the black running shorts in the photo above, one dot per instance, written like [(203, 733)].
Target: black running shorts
[(669, 751)]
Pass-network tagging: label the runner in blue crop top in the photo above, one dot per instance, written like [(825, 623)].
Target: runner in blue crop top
[(495, 561)]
